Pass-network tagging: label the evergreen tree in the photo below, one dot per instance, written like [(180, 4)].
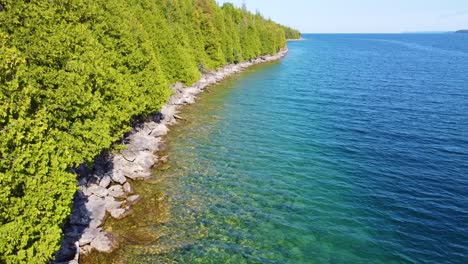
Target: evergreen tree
[(74, 74)]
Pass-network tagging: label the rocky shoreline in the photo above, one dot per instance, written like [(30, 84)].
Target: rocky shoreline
[(105, 189)]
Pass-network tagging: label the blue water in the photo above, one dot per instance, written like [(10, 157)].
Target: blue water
[(352, 149)]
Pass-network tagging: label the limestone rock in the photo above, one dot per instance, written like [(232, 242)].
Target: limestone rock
[(128, 188), (97, 190), (168, 112), (116, 191), (105, 181), (89, 235), (177, 87), (159, 130), (96, 207), (111, 203), (141, 141), (188, 99), (140, 168), (133, 198), (105, 242), (118, 176), (118, 213), (86, 249)]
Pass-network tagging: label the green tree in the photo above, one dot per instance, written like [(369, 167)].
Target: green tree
[(75, 74)]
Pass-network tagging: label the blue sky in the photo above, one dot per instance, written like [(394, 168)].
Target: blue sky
[(364, 16)]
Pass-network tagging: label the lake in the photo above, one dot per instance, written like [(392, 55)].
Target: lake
[(352, 149)]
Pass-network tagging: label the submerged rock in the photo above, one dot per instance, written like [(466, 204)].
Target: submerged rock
[(133, 198)]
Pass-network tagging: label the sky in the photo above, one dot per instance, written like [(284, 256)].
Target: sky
[(363, 16)]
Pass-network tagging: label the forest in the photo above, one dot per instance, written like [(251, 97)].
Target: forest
[(75, 73)]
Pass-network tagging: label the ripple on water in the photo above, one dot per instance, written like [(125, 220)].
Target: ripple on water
[(350, 150)]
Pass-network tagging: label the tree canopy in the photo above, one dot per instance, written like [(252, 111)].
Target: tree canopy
[(74, 74)]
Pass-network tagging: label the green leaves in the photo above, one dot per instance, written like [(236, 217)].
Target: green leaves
[(74, 74)]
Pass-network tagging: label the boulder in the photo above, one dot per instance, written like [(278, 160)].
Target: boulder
[(117, 191), (97, 190), (159, 130), (111, 203), (176, 100), (177, 87), (89, 235), (128, 188), (96, 208), (139, 168), (105, 181), (168, 112), (133, 198), (118, 213), (140, 141), (105, 242), (86, 249), (118, 176)]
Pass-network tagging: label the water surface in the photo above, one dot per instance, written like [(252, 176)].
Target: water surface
[(352, 149)]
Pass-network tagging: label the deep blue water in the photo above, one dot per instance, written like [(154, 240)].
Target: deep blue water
[(352, 149)]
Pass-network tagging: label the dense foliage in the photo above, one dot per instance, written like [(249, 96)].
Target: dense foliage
[(74, 73), (291, 33)]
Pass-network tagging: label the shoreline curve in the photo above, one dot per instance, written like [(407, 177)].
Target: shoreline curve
[(105, 188)]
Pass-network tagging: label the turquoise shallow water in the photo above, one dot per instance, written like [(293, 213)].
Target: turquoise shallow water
[(352, 149)]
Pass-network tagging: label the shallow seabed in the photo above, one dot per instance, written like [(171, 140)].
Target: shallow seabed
[(352, 149)]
